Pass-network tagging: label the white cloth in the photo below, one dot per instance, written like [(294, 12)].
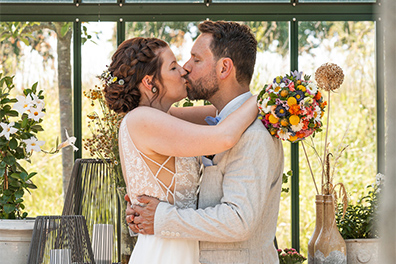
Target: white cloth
[(141, 180)]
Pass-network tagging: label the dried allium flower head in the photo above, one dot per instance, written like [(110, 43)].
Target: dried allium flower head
[(329, 76)]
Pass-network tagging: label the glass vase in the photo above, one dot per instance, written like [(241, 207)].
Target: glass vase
[(318, 226), (127, 242), (330, 247)]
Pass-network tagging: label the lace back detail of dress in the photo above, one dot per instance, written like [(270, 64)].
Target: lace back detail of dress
[(162, 166), (141, 180)]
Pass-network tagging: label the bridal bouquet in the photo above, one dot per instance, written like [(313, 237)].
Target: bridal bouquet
[(291, 107)]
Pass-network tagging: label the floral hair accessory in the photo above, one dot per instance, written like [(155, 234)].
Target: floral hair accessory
[(291, 107), (108, 78)]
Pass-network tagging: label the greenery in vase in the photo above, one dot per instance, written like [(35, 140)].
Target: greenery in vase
[(360, 219), (20, 121), (104, 127), (290, 256)]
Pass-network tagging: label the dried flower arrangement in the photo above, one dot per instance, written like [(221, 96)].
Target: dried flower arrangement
[(104, 128)]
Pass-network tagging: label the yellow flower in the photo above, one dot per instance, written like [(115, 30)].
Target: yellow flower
[(284, 93), (284, 122), (293, 138), (273, 119), (291, 101), (301, 88), (294, 120)]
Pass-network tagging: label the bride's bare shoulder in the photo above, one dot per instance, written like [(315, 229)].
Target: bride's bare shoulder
[(143, 114)]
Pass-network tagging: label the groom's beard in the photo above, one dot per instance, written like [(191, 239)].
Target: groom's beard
[(202, 89)]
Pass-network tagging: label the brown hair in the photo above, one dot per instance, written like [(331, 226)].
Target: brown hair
[(234, 41), (133, 59)]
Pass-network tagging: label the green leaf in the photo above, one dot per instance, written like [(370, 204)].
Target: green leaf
[(24, 176), (19, 193), (2, 171), (13, 143), (64, 29), (24, 122), (5, 100), (12, 113), (37, 127), (31, 186), (31, 175), (34, 87), (26, 41), (10, 160), (8, 208), (16, 175)]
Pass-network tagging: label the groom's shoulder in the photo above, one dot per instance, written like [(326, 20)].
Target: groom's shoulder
[(258, 131)]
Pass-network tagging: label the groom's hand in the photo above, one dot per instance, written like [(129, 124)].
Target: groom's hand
[(145, 219), (130, 215)]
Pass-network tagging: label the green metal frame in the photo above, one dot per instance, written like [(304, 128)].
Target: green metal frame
[(292, 12)]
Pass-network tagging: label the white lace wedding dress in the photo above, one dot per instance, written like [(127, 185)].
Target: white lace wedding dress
[(150, 249)]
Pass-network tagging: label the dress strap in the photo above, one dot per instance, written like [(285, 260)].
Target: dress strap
[(161, 166)]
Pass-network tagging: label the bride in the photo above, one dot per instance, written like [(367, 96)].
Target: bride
[(158, 151)]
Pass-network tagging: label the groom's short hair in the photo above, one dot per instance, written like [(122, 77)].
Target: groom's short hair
[(235, 41)]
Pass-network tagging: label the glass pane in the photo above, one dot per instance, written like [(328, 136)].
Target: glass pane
[(96, 54), (99, 1), (163, 1), (36, 1), (32, 56), (251, 1), (337, 1), (351, 45)]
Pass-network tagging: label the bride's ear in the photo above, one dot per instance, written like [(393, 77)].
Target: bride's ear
[(147, 82)]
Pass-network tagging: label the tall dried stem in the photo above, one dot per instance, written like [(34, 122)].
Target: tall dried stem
[(327, 132)]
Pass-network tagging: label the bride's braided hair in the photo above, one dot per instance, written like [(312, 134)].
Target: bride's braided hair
[(134, 59)]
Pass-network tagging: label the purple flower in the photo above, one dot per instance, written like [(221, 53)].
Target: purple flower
[(280, 111), (299, 95), (296, 74)]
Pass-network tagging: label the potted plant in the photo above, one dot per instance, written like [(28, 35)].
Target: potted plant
[(358, 225), (20, 122), (290, 256)]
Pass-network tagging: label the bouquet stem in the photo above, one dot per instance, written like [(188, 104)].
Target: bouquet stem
[(310, 168)]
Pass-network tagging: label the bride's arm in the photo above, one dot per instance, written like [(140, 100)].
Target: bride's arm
[(194, 114), (157, 132)]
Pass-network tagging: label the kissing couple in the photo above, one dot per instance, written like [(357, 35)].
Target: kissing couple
[(197, 193)]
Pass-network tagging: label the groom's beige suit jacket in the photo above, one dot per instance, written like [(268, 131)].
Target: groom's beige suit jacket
[(238, 203)]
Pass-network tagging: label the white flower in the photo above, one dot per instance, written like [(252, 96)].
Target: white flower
[(68, 142), (297, 127), (313, 89), (264, 105), (283, 134), (8, 129), (23, 104), (36, 112), (318, 114), (379, 179), (33, 144), (36, 101)]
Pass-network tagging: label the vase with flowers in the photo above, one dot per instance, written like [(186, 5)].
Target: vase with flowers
[(327, 245), (20, 122)]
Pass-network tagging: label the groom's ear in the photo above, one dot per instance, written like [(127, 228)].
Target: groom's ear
[(147, 82), (226, 67)]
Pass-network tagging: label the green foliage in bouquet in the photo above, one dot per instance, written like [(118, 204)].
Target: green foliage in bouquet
[(360, 219)]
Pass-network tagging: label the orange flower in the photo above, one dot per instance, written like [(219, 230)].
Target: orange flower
[(318, 96), (294, 109)]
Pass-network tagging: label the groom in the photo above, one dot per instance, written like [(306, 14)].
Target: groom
[(240, 189)]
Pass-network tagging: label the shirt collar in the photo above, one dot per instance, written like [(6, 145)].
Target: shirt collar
[(233, 105)]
